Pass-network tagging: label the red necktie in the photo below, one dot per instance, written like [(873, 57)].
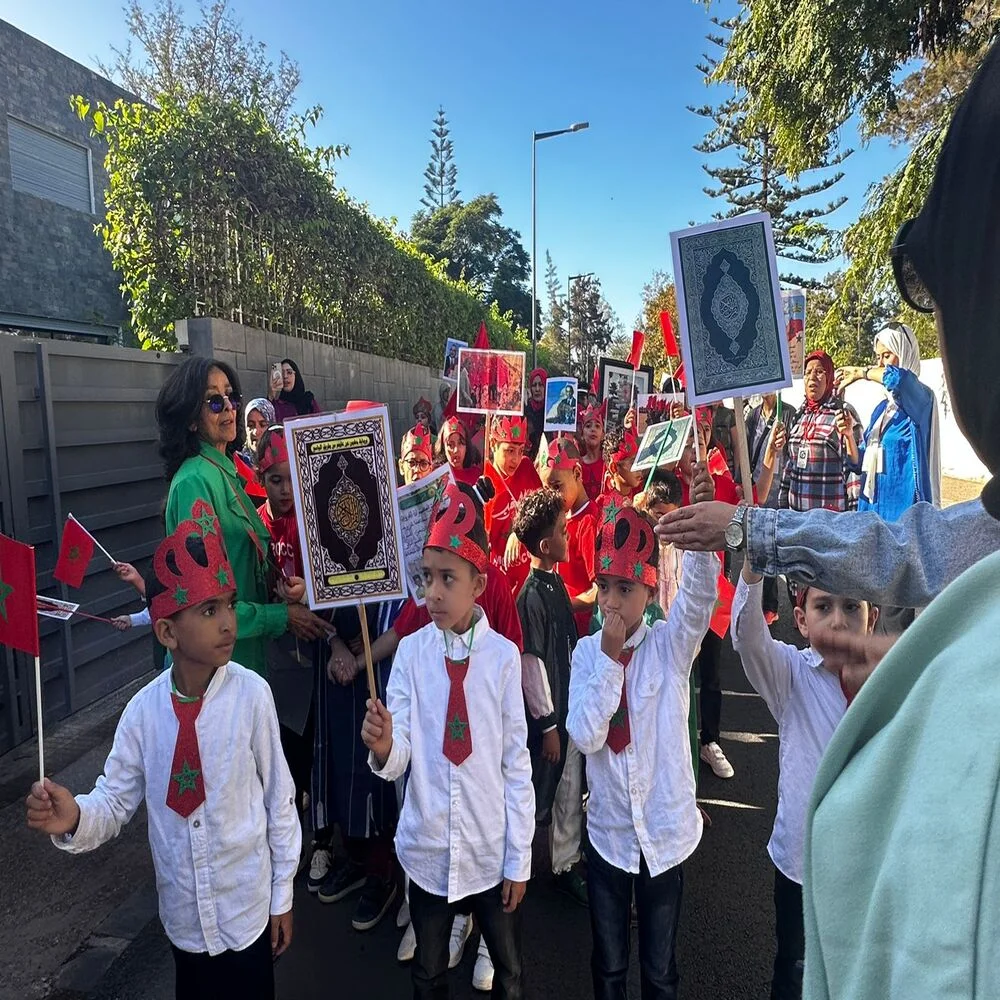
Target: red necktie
[(186, 790), (457, 731), (619, 732)]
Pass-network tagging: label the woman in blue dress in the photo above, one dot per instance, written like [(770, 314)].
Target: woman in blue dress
[(900, 461)]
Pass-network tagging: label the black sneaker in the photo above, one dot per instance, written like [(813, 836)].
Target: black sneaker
[(574, 885), (341, 882), (375, 900)]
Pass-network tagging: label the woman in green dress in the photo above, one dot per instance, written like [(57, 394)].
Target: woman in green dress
[(198, 411)]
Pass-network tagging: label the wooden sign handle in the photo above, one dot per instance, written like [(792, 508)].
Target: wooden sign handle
[(372, 690)]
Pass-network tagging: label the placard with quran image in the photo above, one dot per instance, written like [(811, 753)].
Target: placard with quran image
[(345, 497)]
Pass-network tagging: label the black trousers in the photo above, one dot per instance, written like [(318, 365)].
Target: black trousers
[(432, 918), (247, 974), (789, 926), (769, 598), (710, 699), (658, 904)]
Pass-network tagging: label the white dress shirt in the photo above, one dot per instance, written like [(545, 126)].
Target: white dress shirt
[(643, 799), (807, 703), (463, 829), (222, 871)]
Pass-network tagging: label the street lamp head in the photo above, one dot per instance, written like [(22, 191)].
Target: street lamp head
[(579, 126)]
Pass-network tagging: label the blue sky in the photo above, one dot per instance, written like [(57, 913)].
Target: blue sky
[(607, 198)]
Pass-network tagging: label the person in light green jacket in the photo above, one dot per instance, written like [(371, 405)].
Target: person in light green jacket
[(902, 863), (198, 411)]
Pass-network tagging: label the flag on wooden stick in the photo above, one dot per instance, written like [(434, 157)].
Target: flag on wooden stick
[(75, 553), (669, 340), (18, 607), (635, 357)]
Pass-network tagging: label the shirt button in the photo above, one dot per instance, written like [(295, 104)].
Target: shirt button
[(197, 823)]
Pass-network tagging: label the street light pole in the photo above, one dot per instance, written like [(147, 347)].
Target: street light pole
[(535, 138)]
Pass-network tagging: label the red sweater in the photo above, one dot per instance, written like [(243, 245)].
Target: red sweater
[(578, 572)]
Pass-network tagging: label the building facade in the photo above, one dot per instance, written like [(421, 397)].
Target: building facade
[(56, 278)]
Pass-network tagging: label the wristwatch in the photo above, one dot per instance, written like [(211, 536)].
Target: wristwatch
[(736, 530)]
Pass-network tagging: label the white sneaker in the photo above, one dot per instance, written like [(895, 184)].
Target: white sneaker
[(461, 929), (318, 868), (482, 974), (408, 946), (403, 915), (711, 754)]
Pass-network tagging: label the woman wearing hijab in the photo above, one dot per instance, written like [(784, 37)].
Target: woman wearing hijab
[(900, 452), (534, 412), (822, 445), (294, 400), (258, 415)]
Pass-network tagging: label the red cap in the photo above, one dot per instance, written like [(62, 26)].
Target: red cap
[(423, 405), (454, 426), (510, 430), (592, 412), (417, 440), (563, 454), (627, 448), (277, 449), (185, 580), (452, 521), (626, 546)]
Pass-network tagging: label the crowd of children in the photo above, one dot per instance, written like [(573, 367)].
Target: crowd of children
[(554, 659)]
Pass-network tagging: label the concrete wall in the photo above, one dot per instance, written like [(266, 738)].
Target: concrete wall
[(52, 264), (333, 374)]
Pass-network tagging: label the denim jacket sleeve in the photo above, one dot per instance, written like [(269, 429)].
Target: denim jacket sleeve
[(906, 563)]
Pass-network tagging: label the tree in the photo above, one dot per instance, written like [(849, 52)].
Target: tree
[(593, 326), (211, 58), (752, 181), (658, 295), (553, 334), (441, 173), (480, 250)]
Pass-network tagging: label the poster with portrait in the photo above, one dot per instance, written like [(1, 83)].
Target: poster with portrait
[(731, 318), (560, 405), (620, 386), (416, 503), (794, 302), (662, 444), (345, 495), (491, 382), (449, 369)]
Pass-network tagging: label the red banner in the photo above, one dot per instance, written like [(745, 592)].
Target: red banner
[(18, 604), (75, 553)]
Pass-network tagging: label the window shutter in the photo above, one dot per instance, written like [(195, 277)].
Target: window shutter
[(48, 166)]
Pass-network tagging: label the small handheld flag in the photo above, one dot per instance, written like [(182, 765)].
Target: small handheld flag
[(669, 341), (18, 610), (75, 553), (638, 341), (482, 342)]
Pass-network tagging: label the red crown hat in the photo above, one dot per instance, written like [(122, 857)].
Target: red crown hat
[(628, 448), (452, 521), (422, 404), (360, 404), (416, 440), (563, 454), (185, 580), (591, 412), (626, 545), (704, 415), (510, 430), (276, 451), (454, 426)]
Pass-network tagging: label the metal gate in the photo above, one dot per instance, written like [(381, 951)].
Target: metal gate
[(79, 436)]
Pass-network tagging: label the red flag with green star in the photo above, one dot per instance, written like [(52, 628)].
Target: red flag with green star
[(18, 605), (722, 613), (75, 553)]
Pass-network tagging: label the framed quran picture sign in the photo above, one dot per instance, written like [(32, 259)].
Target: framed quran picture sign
[(348, 513), (733, 338)]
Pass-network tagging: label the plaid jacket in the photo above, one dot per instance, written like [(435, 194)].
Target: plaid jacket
[(823, 482)]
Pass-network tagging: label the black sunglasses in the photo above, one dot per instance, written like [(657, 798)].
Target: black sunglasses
[(911, 286), (217, 402)]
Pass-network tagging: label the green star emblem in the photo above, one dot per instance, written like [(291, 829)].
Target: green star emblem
[(605, 563), (207, 524), (457, 728), (455, 542), (637, 569), (5, 591), (186, 779), (611, 515), (180, 596), (619, 718), (74, 553), (222, 576), (515, 431)]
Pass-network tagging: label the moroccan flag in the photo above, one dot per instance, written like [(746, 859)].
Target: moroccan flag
[(75, 553), (250, 485), (717, 464), (638, 340), (595, 387), (482, 338), (18, 605), (723, 612), (669, 341)]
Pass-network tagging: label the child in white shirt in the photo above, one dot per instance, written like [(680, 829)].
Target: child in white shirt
[(454, 714), (628, 713), (200, 744), (807, 701)]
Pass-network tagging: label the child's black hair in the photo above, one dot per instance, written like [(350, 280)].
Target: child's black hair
[(664, 489), (537, 514)]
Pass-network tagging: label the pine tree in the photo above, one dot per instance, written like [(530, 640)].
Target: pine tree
[(553, 337), (753, 182), (441, 173)]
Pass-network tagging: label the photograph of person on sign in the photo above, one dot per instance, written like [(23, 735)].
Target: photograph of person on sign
[(731, 317), (491, 382)]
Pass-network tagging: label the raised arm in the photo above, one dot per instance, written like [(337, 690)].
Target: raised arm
[(691, 610)]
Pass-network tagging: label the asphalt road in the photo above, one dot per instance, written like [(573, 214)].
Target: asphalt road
[(725, 944)]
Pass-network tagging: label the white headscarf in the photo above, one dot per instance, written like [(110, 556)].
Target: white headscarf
[(902, 341)]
